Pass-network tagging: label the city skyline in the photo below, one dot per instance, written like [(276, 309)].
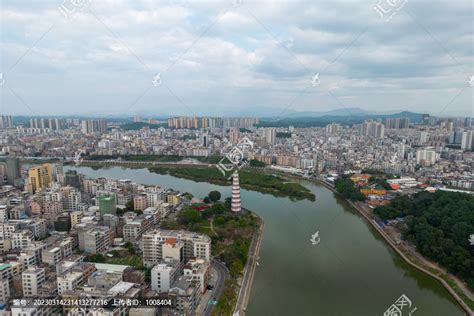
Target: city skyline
[(236, 157), (234, 59)]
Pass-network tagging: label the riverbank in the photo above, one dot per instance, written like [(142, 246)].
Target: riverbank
[(200, 172), (249, 271), (457, 296), (256, 181), (297, 278)]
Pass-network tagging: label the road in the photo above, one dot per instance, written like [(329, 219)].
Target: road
[(247, 280), (223, 274)]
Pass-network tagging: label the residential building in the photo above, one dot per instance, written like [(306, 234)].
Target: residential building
[(195, 245), (32, 278)]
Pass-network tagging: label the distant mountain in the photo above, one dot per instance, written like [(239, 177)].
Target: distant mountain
[(335, 112), (414, 117), (301, 120)]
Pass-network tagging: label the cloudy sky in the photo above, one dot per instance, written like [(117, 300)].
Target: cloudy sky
[(255, 57)]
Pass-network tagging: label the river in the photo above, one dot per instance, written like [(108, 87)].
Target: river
[(351, 271)]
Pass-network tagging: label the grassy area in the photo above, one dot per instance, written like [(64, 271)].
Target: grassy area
[(151, 158), (256, 181), (210, 159), (134, 126), (127, 256)]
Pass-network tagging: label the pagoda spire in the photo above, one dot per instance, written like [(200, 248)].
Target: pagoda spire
[(236, 206)]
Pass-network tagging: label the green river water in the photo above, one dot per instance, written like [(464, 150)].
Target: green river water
[(351, 271)]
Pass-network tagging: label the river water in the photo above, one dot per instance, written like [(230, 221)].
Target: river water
[(349, 270)]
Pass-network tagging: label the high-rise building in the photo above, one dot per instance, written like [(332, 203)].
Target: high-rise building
[(73, 179), (333, 128), (235, 201), (234, 135), (425, 157), (51, 123), (467, 142), (164, 275), (93, 126), (160, 243), (372, 129), (94, 239), (468, 122), (270, 135), (13, 169), (6, 121), (401, 151), (211, 122), (6, 279), (39, 177), (32, 278), (455, 137), (397, 123), (204, 139), (107, 204)]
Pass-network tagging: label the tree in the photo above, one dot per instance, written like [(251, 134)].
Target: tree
[(236, 268), (130, 247), (207, 200), (97, 257), (256, 163), (188, 196), (188, 216), (228, 202), (129, 206), (120, 211), (214, 196), (439, 224)]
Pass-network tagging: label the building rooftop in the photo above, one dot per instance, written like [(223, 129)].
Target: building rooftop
[(4, 266), (110, 267), (121, 288)]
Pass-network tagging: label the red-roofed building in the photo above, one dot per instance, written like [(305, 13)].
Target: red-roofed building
[(395, 186), (171, 241)]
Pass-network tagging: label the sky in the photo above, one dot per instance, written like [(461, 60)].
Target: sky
[(235, 57)]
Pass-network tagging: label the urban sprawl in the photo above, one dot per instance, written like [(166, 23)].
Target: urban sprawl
[(69, 242)]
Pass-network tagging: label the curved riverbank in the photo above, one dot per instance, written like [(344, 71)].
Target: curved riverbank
[(256, 181), (249, 271), (352, 265), (387, 238)]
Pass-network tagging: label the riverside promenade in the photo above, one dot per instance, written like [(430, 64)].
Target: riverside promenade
[(392, 244), (249, 271)]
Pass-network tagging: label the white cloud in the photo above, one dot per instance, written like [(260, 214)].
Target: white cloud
[(216, 56)]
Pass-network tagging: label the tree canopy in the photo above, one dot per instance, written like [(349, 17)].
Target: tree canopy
[(214, 196), (346, 187), (439, 224)]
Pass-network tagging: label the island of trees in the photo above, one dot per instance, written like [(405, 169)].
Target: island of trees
[(256, 181)]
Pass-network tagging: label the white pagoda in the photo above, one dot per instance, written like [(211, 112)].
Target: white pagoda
[(236, 206)]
